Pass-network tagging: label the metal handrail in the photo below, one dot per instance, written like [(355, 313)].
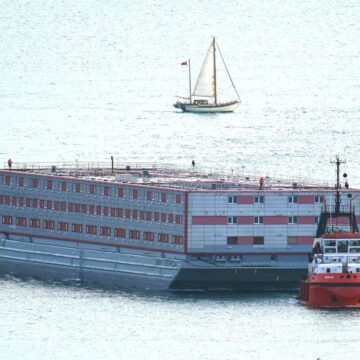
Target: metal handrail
[(232, 175)]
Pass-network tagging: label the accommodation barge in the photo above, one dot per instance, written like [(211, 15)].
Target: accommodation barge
[(145, 226)]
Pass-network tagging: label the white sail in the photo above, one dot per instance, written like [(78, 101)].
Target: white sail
[(205, 85)]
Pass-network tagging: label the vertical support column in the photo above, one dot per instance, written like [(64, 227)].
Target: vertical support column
[(186, 208)]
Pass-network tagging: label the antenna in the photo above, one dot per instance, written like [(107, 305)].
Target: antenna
[(338, 162)]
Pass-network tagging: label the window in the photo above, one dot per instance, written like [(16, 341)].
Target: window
[(148, 215), (163, 217), (316, 219), (91, 209), (135, 194), (91, 189), (56, 205), (63, 186), (292, 219), (106, 211), (76, 228), (63, 206), (8, 200), (42, 204), (119, 212), (163, 237), (120, 192), (318, 199), (21, 201), (178, 219), (134, 234), (21, 221), (292, 240), (119, 232), (98, 210), (105, 231), (7, 220), (127, 213), (171, 218), (156, 216), (293, 199), (232, 199), (49, 224), (258, 240), (163, 197), (177, 239), (232, 220), (258, 219), (84, 209), (106, 191), (7, 180), (34, 183), (13, 200), (149, 236), (178, 198), (35, 223), (63, 226), (113, 211), (232, 240), (135, 214), (48, 204), (149, 195), (27, 202), (21, 181), (77, 208), (49, 184), (35, 203), (259, 199), (142, 215)]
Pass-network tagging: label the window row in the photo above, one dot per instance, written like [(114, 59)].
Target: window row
[(91, 229), (93, 189), (260, 220), (260, 199), (92, 209), (259, 240), (251, 199), (254, 240)]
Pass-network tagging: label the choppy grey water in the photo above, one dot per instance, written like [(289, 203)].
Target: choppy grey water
[(89, 79)]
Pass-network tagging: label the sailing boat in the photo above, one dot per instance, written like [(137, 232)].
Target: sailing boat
[(204, 98)]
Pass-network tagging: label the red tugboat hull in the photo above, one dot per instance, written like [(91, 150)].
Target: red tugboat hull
[(330, 291)]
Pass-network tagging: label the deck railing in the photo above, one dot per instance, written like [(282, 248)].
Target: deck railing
[(104, 168)]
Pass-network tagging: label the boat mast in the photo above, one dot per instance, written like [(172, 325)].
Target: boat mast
[(337, 185), (189, 81), (214, 56)]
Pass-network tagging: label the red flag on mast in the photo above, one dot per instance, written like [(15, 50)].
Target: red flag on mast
[(184, 63)]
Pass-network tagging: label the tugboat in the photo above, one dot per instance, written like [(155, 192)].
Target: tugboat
[(333, 278)]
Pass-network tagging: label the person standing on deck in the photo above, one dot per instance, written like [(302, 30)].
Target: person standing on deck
[(261, 182), (10, 163)]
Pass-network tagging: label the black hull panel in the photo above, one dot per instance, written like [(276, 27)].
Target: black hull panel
[(239, 279)]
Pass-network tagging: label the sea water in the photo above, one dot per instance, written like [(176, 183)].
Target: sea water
[(86, 80)]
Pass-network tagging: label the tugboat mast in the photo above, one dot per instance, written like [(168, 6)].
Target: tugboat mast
[(338, 162)]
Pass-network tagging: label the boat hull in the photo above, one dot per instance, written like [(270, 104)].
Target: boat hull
[(130, 269), (220, 108), (330, 291), (237, 278)]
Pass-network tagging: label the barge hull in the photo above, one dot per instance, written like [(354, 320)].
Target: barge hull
[(239, 279), (136, 272)]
